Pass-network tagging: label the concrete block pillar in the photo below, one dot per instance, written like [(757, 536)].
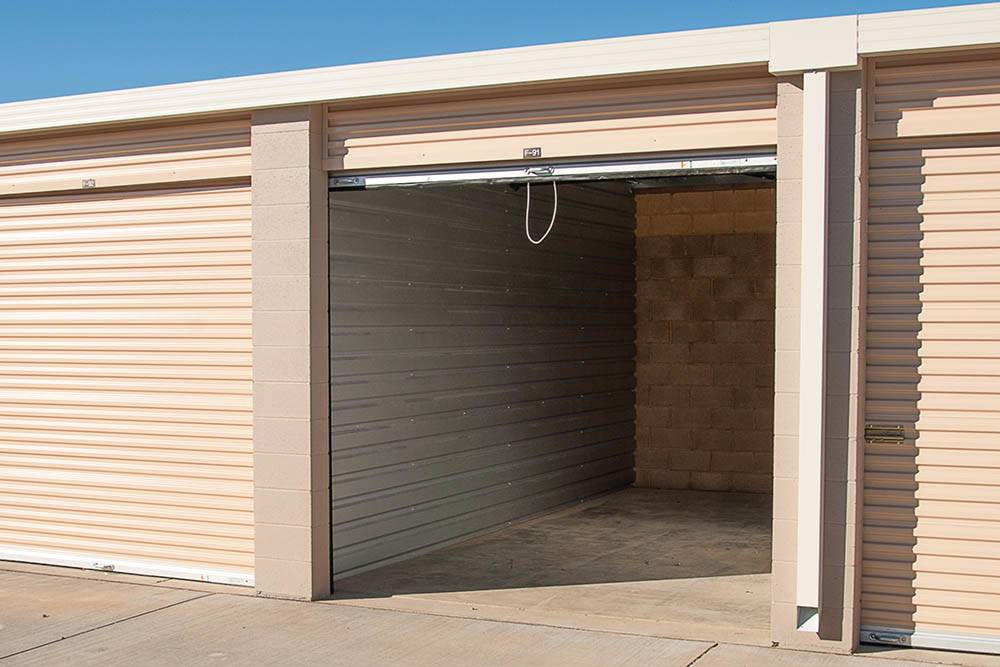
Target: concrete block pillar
[(291, 398), (843, 359)]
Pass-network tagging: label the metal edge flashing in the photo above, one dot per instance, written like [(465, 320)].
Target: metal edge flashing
[(883, 636), (934, 28), (125, 566), (744, 163)]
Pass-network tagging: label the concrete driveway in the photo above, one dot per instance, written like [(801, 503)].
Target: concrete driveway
[(52, 616)]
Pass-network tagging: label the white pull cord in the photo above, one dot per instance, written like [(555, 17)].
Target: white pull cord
[(527, 210)]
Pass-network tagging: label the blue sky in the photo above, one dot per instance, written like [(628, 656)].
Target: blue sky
[(62, 47)]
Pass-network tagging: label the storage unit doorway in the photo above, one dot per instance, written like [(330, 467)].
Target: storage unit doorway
[(576, 431)]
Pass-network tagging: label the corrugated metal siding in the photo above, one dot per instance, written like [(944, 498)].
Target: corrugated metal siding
[(693, 114), (476, 378), (174, 153), (931, 552), (125, 381), (930, 96)]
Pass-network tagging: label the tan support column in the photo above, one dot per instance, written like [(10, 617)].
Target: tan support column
[(818, 352), (291, 396), (837, 594)]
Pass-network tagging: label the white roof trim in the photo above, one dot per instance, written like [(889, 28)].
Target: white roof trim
[(814, 44), (924, 29), (894, 32), (605, 57)]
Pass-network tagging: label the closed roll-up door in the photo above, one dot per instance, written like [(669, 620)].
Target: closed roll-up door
[(125, 387), (175, 152), (931, 552)]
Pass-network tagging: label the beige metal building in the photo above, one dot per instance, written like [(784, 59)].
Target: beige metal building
[(287, 331)]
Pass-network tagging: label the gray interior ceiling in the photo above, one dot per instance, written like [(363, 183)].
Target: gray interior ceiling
[(476, 378), (707, 181)]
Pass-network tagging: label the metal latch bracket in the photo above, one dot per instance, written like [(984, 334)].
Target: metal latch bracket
[(891, 434)]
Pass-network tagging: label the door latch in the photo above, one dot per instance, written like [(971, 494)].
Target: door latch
[(891, 434)]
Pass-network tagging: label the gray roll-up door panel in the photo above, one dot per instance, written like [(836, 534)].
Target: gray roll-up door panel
[(476, 378)]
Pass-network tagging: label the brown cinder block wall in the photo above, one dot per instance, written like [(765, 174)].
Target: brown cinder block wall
[(705, 339)]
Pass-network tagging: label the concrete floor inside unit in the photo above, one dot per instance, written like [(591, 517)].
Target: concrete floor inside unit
[(642, 561)]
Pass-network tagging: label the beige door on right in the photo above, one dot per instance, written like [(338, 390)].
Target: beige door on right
[(931, 550), (931, 513)]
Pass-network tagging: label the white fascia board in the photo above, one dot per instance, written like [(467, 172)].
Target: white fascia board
[(814, 44), (694, 49), (965, 26)]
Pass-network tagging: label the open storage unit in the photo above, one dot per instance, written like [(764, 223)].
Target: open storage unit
[(480, 378)]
